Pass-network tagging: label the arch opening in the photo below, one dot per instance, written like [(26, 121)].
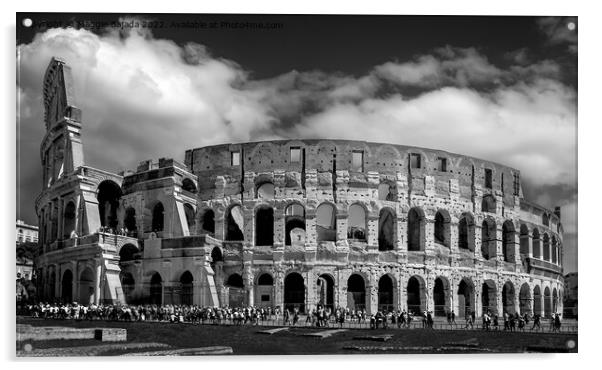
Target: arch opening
[(489, 297), (416, 296), (387, 191), (109, 194), (189, 186), (67, 287), (236, 292), (356, 223), (537, 309), (156, 289), (546, 248), (356, 292), (536, 244), (525, 299), (294, 218), (264, 290), (326, 229), (186, 288), (129, 222), (385, 294), (325, 285), (441, 296), (508, 242), (69, 220), (488, 239), (264, 226), (266, 191), (508, 298), (189, 213), (488, 204), (416, 226), (547, 302), (127, 253), (442, 228), (466, 232), (235, 224), (465, 298), (386, 230), (86, 287), (208, 224), (294, 292), (128, 285), (158, 217)]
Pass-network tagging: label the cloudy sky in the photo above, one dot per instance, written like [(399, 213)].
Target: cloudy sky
[(498, 88)]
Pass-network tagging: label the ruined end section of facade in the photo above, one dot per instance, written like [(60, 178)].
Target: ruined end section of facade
[(292, 224)]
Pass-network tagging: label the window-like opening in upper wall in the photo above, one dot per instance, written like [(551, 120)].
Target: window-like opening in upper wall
[(488, 178), (516, 184), (415, 160), (295, 155), (357, 161), (235, 158), (442, 164)]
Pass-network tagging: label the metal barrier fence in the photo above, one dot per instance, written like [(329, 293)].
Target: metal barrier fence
[(569, 327)]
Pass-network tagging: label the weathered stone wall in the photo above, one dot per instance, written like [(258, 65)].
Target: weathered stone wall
[(325, 175)]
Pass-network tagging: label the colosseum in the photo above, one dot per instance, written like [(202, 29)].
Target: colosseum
[(291, 223)]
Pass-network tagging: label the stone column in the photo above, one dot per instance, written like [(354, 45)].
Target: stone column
[(529, 240), (429, 283), (401, 242), (516, 240), (75, 282), (341, 225), (341, 291), (517, 300), (310, 227), (279, 289), (499, 245), (247, 276), (198, 292), (57, 284), (372, 297), (498, 298), (61, 219), (310, 296), (403, 291), (98, 283), (478, 241), (454, 235), (372, 230), (279, 226), (429, 231), (478, 304)]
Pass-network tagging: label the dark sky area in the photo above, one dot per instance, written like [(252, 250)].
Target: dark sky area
[(332, 43)]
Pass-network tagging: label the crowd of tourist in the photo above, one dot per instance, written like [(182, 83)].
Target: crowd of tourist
[(320, 316)]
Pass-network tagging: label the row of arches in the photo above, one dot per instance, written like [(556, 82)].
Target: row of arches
[(80, 288), (182, 294), (543, 246), (109, 199), (357, 230)]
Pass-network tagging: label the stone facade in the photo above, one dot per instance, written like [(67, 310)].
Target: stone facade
[(292, 223)]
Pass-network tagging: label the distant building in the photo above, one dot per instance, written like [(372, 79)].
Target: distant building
[(24, 268), (570, 297), (26, 244), (570, 283), (26, 233)]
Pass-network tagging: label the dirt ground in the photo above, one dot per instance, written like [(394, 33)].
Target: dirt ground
[(245, 340)]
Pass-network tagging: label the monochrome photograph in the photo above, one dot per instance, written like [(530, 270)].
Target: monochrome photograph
[(288, 184)]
